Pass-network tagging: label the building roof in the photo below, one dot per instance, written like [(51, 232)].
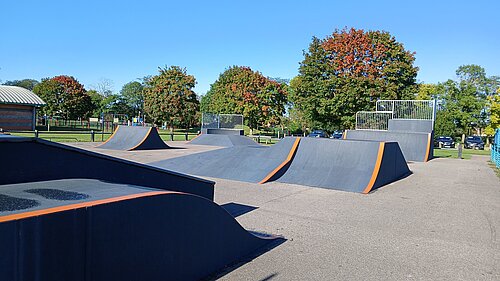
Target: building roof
[(18, 95)]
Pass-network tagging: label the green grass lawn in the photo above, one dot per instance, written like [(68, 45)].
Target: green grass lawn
[(453, 153)]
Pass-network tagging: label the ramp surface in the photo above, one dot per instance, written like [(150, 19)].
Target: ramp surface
[(118, 232), (406, 125), (242, 163), (31, 159), (222, 140), (355, 166), (414, 145), (134, 138)]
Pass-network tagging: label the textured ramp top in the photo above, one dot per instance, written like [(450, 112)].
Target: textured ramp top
[(16, 198)]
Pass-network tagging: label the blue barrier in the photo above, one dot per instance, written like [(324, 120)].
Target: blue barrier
[(495, 149)]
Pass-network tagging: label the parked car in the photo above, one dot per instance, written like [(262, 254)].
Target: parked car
[(318, 134), (446, 142), (337, 135), (474, 142)]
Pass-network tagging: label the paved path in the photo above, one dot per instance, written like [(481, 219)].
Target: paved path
[(441, 223)]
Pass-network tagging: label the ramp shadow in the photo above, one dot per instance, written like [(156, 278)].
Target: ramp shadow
[(236, 209)]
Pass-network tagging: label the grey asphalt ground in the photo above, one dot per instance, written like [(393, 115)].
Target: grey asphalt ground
[(441, 223)]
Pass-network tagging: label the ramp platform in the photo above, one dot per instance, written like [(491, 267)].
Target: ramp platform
[(134, 138), (416, 146), (223, 140)]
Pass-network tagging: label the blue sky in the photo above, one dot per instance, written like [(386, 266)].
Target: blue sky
[(125, 40)]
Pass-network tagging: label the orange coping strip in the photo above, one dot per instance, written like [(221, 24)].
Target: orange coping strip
[(143, 139), (195, 137), (428, 152), (112, 135), (37, 213), (376, 169), (287, 160)]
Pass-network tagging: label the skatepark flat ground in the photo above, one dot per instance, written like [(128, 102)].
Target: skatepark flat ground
[(441, 223)]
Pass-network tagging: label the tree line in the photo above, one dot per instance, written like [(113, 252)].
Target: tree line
[(345, 72)]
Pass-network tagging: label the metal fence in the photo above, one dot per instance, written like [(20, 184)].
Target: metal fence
[(395, 109), (221, 121), (409, 109), (373, 120), (495, 149)]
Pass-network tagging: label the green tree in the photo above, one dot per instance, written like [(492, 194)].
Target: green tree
[(240, 90), (347, 72), (131, 94), (427, 91), (494, 111), (169, 97), (25, 83), (65, 97)]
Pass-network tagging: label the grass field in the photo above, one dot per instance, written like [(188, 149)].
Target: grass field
[(453, 153)]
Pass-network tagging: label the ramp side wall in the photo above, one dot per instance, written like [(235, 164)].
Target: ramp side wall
[(38, 160), (223, 132)]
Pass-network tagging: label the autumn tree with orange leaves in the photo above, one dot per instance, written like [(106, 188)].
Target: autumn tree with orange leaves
[(347, 72), (65, 97), (240, 90)]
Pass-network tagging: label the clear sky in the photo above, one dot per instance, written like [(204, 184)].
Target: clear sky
[(125, 40)]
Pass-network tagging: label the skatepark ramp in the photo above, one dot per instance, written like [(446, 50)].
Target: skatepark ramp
[(355, 166), (254, 163), (134, 138), (32, 159), (68, 214), (223, 140), (416, 146)]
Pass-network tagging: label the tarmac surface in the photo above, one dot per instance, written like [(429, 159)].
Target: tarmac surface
[(440, 223)]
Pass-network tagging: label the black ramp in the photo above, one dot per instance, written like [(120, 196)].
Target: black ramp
[(241, 163), (134, 138), (31, 159), (355, 166), (414, 145), (154, 235), (222, 140)]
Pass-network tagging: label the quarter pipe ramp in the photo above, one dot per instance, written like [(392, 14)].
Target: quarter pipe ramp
[(134, 138), (355, 166)]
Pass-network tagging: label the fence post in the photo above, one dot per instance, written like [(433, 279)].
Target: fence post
[(92, 135), (186, 134), (459, 151), (172, 136), (36, 133)]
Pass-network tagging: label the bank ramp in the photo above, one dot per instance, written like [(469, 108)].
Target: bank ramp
[(248, 163), (134, 138), (355, 166)]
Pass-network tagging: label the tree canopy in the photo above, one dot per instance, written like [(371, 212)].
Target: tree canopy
[(25, 83), (347, 72), (169, 97), (131, 94), (65, 97), (240, 90)]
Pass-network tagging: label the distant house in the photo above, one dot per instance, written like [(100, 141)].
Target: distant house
[(18, 108)]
